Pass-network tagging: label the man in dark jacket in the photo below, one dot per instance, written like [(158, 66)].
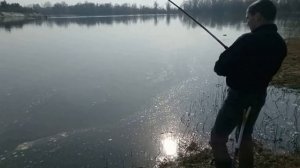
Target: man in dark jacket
[(248, 65)]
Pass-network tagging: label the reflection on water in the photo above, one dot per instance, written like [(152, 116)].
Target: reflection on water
[(169, 145), (289, 27), (10, 23), (112, 91)]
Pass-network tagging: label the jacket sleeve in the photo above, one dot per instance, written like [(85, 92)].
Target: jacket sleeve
[(229, 59)]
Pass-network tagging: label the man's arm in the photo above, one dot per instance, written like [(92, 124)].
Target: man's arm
[(230, 58)]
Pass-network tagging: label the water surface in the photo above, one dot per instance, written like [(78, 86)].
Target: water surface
[(120, 91)]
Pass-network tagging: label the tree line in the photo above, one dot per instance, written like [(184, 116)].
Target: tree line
[(236, 7), (14, 7), (211, 7), (89, 9)]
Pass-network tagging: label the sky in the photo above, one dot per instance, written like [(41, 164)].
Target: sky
[(71, 2)]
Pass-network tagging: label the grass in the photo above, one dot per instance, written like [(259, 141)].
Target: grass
[(289, 73), (264, 158)]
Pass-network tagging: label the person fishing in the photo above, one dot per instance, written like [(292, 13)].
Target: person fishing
[(248, 65)]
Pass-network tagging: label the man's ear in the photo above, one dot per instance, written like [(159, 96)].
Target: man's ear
[(259, 18)]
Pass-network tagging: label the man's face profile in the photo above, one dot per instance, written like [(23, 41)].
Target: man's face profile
[(253, 20)]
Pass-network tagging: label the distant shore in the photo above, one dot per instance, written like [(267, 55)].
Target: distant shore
[(21, 15), (289, 73)]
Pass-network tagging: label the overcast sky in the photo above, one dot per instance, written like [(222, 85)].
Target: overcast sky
[(139, 2)]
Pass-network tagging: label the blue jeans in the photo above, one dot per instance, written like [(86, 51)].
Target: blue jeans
[(231, 116)]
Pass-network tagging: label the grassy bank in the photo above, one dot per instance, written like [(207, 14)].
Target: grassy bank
[(289, 73), (264, 158)]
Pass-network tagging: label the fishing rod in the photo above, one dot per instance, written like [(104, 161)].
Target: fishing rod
[(199, 24)]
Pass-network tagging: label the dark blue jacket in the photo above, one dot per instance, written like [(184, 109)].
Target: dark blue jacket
[(253, 59)]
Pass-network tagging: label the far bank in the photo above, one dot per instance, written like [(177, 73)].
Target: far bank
[(21, 15)]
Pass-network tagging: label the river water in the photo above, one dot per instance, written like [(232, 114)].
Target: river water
[(121, 91)]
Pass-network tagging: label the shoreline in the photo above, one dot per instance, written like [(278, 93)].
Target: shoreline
[(263, 158), (289, 72), (6, 15)]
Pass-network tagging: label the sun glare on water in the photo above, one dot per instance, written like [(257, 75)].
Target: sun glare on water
[(170, 146)]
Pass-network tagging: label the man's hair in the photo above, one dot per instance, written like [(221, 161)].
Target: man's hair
[(265, 7)]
